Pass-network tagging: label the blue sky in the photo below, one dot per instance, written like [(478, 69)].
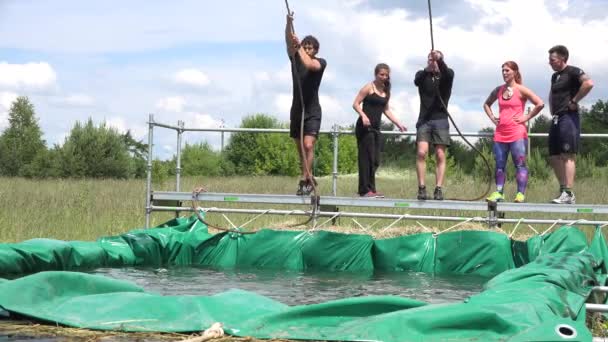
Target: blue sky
[(204, 62)]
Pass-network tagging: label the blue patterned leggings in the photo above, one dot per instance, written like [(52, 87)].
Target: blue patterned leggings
[(518, 154)]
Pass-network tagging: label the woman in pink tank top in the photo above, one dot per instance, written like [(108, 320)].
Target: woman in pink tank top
[(511, 134)]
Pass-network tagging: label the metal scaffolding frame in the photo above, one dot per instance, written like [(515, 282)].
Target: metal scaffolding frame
[(172, 200)]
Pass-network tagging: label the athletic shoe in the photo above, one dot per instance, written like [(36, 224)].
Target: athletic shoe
[(378, 195), (564, 198), (308, 188), (302, 188), (422, 194), (438, 194), (496, 196), (369, 194), (519, 198)]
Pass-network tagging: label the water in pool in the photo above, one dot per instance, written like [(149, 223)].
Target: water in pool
[(296, 288)]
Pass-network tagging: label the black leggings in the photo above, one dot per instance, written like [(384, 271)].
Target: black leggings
[(368, 144)]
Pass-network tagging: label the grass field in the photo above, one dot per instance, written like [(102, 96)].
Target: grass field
[(88, 209)]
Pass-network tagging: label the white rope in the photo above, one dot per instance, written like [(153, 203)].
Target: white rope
[(516, 226), (227, 219), (603, 226), (395, 222), (553, 225), (373, 224), (359, 224), (458, 224), (214, 331), (333, 217), (424, 227), (253, 219), (576, 221), (534, 230)]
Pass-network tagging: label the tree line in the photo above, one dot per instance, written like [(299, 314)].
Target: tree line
[(100, 151)]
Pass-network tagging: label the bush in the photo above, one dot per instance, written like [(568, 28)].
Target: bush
[(200, 160), (538, 167), (95, 152)]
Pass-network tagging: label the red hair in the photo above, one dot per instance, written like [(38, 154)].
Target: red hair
[(513, 66)]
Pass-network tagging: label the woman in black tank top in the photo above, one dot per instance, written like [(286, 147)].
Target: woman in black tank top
[(371, 102)]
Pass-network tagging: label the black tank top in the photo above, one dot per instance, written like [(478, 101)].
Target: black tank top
[(373, 107)]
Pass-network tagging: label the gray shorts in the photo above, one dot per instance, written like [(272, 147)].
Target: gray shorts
[(436, 132)]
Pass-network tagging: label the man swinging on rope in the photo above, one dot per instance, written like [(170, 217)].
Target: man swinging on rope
[(433, 126), (306, 77)]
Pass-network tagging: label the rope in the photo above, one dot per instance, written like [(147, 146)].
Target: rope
[(214, 331), (333, 217), (197, 211), (431, 25), (457, 224), (309, 178), (553, 225), (395, 222), (227, 219), (534, 230), (253, 219), (516, 226), (359, 224), (423, 226), (489, 168)]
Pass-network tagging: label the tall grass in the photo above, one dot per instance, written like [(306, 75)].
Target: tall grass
[(88, 209)]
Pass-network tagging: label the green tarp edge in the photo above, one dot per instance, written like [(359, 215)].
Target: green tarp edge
[(562, 264)]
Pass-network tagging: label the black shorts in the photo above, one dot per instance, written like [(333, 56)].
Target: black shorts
[(436, 132), (312, 124), (565, 134)]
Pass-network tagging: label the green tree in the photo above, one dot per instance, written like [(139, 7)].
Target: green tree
[(324, 155), (138, 151), (96, 152), (262, 153), (595, 120), (46, 164), (200, 160), (22, 141), (397, 151)]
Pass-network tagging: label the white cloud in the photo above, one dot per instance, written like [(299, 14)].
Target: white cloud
[(282, 105), (191, 77), (6, 101), (334, 112), (174, 104), (261, 76), (138, 131), (76, 100), (34, 76), (200, 120)]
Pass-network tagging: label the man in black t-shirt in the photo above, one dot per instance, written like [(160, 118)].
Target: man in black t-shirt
[(307, 72), (433, 127), (569, 85)]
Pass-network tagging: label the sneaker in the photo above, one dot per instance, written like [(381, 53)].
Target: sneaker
[(564, 198), (378, 194), (369, 194), (496, 196), (519, 198), (422, 193), (308, 188), (301, 188), (438, 194)]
